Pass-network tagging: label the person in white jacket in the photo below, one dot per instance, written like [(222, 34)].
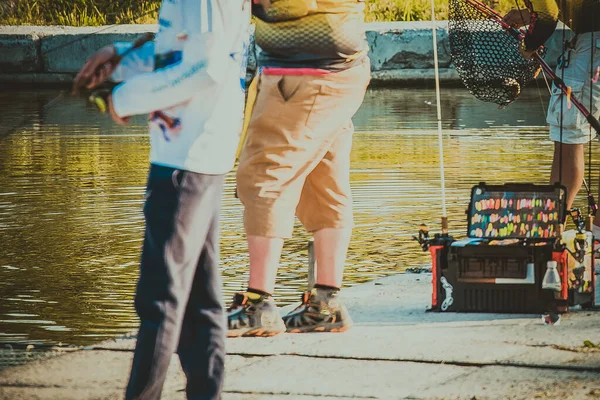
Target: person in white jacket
[(190, 80)]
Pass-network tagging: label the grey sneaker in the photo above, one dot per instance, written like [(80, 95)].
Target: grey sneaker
[(253, 315), (321, 311)]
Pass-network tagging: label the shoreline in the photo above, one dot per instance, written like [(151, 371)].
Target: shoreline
[(401, 53)]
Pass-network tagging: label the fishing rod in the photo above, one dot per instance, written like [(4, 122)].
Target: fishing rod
[(423, 238), (112, 62), (83, 37), (99, 98), (444, 220), (519, 35), (62, 93)]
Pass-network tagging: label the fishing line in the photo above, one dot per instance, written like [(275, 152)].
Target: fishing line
[(62, 93), (547, 84), (103, 29), (544, 106)]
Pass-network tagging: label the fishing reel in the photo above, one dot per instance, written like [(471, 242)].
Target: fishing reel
[(99, 99), (580, 241), (439, 239), (578, 219), (423, 237)]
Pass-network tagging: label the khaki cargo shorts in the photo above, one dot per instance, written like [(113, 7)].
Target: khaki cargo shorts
[(579, 72), (296, 158)]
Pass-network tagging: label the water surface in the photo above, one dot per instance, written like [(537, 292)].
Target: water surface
[(72, 185)]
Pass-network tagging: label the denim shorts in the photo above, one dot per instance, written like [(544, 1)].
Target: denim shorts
[(579, 72)]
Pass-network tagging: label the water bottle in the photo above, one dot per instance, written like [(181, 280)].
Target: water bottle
[(551, 277)]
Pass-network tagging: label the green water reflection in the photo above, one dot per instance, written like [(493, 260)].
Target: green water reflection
[(71, 193)]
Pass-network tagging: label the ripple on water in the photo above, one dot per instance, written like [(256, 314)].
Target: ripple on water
[(72, 195)]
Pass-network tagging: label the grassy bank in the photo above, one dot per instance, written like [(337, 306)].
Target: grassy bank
[(108, 12), (77, 12)]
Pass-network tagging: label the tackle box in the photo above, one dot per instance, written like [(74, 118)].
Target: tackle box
[(513, 230)]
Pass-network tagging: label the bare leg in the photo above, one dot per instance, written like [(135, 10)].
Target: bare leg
[(264, 261), (323, 310), (331, 246), (572, 168)]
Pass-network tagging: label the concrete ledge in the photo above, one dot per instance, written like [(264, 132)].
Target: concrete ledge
[(400, 52), (20, 53), (407, 45), (384, 78), (409, 77), (18, 79)]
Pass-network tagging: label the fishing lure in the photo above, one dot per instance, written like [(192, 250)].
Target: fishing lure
[(99, 99)]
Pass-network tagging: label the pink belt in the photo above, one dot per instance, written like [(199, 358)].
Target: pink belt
[(294, 71)]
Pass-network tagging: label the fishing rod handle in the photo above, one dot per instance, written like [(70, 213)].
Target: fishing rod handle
[(100, 100)]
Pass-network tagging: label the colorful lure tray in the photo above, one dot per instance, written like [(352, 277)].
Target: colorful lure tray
[(516, 211)]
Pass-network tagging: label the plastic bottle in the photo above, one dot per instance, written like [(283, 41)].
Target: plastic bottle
[(551, 277)]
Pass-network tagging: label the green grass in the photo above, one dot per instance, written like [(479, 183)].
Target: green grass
[(77, 12), (420, 10), (108, 12)]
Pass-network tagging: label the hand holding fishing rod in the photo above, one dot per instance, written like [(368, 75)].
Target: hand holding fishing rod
[(98, 68), (102, 64), (516, 19)]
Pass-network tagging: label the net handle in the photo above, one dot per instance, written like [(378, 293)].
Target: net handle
[(519, 35)]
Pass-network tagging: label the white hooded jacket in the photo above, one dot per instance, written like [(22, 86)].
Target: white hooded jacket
[(194, 73)]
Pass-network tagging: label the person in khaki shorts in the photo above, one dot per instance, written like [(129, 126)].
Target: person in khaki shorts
[(314, 72), (579, 67)]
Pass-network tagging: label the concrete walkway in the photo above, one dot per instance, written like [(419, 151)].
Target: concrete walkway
[(395, 351)]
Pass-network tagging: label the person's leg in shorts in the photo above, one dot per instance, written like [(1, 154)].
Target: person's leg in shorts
[(296, 121), (568, 127), (325, 210), (178, 296)]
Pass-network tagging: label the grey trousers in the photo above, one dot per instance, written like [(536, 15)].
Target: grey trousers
[(178, 296)]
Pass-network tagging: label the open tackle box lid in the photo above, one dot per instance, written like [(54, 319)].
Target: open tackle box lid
[(516, 211)]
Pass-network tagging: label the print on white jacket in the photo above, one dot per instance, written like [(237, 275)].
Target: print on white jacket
[(199, 88)]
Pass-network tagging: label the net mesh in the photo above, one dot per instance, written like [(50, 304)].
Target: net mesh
[(486, 57)]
